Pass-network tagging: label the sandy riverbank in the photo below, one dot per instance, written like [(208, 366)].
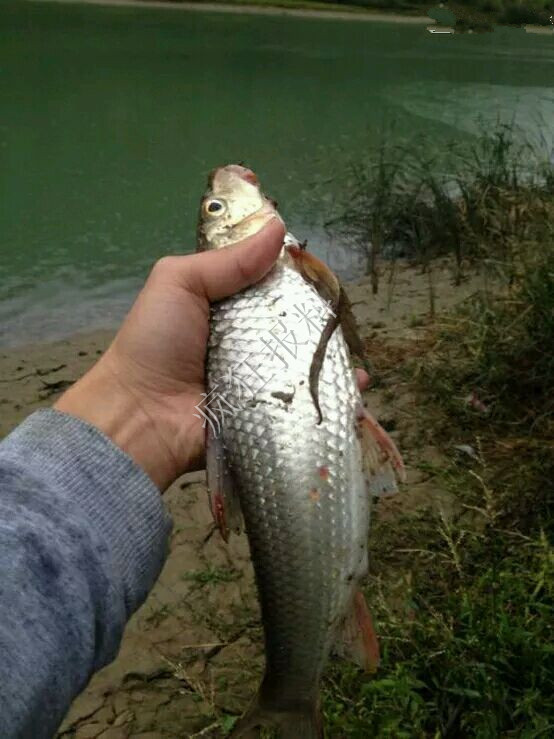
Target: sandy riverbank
[(192, 655)]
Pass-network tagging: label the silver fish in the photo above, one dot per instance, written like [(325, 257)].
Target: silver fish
[(291, 449)]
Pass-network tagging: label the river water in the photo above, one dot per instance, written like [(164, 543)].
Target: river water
[(111, 118)]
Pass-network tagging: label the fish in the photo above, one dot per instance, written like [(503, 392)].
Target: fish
[(292, 456)]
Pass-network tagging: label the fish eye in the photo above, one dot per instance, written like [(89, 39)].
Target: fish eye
[(214, 206)]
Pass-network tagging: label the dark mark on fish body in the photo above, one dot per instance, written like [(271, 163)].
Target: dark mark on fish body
[(285, 397)]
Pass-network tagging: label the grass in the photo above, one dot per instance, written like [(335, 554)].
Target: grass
[(213, 575), (463, 594), (477, 201)]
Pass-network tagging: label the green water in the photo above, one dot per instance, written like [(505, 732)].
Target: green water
[(111, 118)]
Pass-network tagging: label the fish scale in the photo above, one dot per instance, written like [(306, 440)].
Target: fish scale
[(302, 491)]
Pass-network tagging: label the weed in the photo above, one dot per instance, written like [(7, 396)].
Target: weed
[(213, 575), (475, 201)]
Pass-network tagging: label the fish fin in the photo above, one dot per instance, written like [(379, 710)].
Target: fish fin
[(382, 483), (357, 640), (224, 500), (299, 721), (382, 459), (350, 328), (326, 284), (332, 291), (317, 273)]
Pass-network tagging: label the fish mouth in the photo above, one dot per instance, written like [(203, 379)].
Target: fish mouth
[(235, 169)]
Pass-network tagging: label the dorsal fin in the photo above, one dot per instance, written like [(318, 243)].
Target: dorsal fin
[(328, 286)]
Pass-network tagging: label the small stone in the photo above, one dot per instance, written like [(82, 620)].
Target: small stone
[(124, 718)]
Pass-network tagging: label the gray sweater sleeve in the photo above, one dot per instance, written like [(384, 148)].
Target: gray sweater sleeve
[(83, 537)]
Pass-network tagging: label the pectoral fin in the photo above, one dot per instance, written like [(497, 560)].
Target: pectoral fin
[(318, 274), (382, 460), (351, 332), (326, 283), (224, 500), (357, 639)]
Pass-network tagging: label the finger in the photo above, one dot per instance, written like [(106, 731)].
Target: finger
[(219, 273), (362, 378)]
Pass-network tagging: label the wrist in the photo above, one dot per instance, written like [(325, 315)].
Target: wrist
[(102, 400)]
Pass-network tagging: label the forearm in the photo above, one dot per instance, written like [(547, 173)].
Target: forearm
[(83, 536)]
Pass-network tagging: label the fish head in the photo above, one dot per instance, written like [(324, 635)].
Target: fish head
[(232, 208)]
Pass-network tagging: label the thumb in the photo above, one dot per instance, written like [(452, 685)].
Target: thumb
[(219, 273)]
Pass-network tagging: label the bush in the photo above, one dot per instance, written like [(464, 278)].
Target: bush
[(518, 15)]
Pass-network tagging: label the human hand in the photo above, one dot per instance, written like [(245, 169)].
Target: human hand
[(142, 393)]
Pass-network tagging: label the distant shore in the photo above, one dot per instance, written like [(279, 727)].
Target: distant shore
[(349, 13), (240, 9)]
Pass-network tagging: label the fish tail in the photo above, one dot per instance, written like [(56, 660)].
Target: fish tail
[(306, 724), (299, 721)]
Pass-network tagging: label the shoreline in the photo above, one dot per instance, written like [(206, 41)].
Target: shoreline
[(368, 16), (270, 10)]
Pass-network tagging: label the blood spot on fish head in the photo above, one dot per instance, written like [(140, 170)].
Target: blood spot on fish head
[(324, 472), (314, 495)]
